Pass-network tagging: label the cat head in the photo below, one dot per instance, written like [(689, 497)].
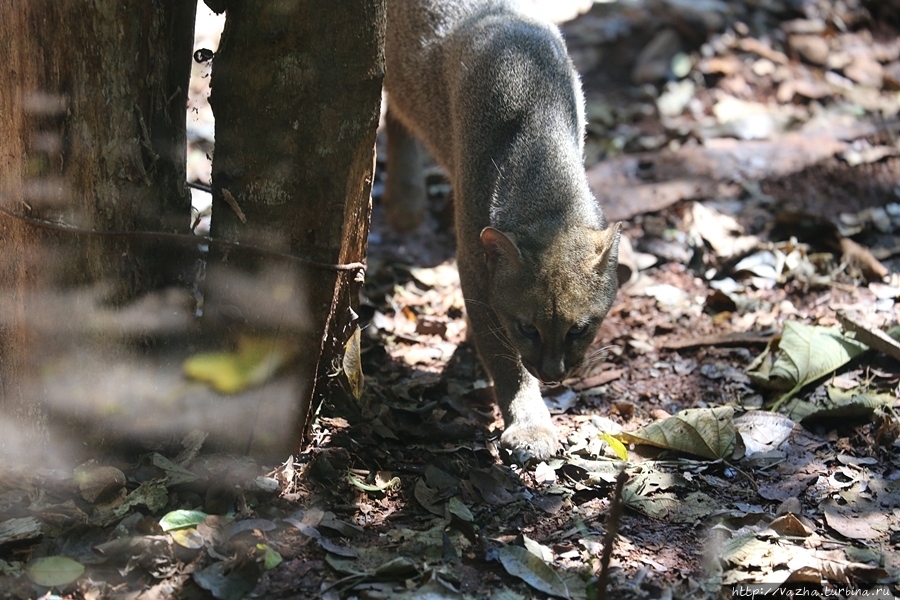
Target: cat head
[(552, 297)]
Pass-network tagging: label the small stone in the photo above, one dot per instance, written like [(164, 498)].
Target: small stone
[(885, 52), (98, 484), (838, 61), (804, 26), (785, 92), (812, 48), (654, 62), (865, 71), (782, 73), (763, 67), (838, 81), (721, 65), (892, 76), (812, 89)]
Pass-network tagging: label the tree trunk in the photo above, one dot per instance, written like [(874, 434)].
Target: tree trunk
[(296, 94), (92, 110)]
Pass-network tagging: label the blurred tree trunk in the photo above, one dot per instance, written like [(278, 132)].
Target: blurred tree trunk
[(92, 110), (296, 93)]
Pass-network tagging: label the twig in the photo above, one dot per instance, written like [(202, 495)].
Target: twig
[(185, 239), (612, 530), (230, 201), (199, 186), (736, 338)]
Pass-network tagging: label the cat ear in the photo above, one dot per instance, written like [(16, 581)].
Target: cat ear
[(499, 247), (607, 241)]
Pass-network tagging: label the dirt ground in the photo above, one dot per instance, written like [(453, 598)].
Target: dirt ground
[(750, 150)]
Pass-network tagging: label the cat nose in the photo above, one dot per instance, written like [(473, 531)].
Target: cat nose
[(552, 374)]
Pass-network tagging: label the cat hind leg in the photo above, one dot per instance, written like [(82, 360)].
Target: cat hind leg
[(405, 197)]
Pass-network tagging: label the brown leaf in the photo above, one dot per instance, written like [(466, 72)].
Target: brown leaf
[(856, 522), (98, 484), (862, 257)]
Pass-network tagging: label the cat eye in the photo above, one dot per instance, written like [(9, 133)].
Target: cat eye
[(577, 330), (528, 330)]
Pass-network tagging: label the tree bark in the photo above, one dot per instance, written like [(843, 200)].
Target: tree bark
[(92, 109), (296, 94)]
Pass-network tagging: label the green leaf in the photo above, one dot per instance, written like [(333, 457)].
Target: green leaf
[(253, 362), (179, 519), (617, 446), (460, 510), (272, 557), (805, 354), (53, 571), (521, 563), (187, 538), (839, 404), (381, 484)]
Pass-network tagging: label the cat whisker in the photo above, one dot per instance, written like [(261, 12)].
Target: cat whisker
[(496, 329), (512, 359), (599, 354), (504, 339), (477, 302)]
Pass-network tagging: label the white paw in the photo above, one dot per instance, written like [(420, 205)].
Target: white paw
[(524, 440)]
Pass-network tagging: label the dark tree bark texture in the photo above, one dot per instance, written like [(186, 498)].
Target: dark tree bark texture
[(92, 110), (296, 94)]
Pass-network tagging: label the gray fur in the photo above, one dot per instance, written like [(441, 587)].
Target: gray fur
[(489, 89)]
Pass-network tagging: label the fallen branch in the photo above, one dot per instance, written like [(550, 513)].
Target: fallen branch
[(736, 338)]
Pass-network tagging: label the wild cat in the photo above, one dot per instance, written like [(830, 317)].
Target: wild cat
[(490, 90)]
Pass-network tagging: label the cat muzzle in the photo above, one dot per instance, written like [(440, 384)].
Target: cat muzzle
[(548, 377)]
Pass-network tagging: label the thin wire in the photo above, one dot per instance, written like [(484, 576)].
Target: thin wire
[(186, 239)]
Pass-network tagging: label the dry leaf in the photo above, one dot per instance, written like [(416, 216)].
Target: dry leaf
[(352, 365), (763, 431), (802, 355), (706, 432), (521, 563)]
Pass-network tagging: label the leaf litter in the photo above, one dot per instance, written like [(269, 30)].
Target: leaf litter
[(759, 175)]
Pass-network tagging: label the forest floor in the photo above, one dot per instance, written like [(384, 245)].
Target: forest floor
[(750, 150)]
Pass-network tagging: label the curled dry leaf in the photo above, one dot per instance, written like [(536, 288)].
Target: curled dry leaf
[(802, 355), (791, 525), (352, 365), (763, 431), (839, 404), (99, 483)]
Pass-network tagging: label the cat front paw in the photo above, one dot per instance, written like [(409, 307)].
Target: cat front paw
[(531, 440)]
